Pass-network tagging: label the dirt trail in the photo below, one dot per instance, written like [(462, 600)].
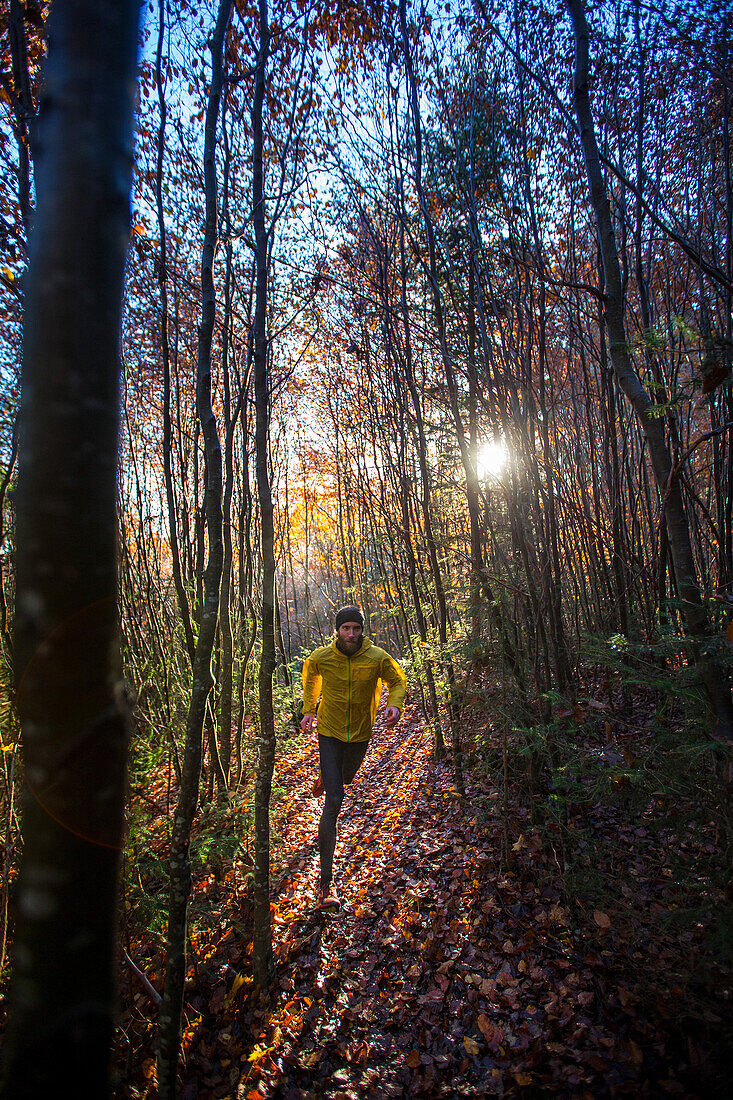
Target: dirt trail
[(442, 975)]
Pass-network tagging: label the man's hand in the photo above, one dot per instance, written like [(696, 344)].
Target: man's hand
[(392, 717), (306, 723)]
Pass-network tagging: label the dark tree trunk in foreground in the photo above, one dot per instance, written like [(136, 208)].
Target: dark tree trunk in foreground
[(180, 867), (68, 669), (262, 946), (712, 673)]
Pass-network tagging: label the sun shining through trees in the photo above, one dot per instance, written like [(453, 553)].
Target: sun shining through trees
[(372, 232), (492, 459)]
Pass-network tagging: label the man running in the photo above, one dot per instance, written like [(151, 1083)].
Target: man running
[(347, 676)]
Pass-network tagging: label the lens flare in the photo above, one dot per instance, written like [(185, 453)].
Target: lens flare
[(492, 458)]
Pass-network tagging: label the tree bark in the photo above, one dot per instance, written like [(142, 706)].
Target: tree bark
[(262, 939), (165, 346), (468, 460), (69, 691), (180, 869)]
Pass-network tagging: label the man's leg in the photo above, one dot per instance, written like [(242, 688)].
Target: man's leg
[(354, 753), (340, 761), (331, 752)]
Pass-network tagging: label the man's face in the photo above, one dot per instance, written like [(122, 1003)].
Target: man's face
[(348, 638)]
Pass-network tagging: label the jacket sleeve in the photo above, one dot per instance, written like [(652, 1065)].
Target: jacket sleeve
[(396, 681), (312, 682)]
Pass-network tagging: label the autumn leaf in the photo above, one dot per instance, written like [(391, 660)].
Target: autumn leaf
[(636, 1055), (471, 1045), (413, 1059), (484, 1024), (602, 920), (237, 984), (491, 1033), (258, 1053)]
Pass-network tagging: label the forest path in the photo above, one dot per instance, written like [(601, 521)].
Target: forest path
[(442, 974)]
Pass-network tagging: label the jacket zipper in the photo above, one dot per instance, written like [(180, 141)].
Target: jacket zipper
[(348, 727)]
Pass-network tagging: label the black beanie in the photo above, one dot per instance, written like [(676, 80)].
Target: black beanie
[(349, 615)]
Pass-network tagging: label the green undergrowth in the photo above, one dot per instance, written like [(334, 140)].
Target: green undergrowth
[(632, 799), (222, 835)]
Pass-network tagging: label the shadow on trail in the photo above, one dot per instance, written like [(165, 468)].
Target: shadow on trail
[(444, 973)]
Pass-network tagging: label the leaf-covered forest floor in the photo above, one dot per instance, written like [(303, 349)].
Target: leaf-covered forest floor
[(451, 969)]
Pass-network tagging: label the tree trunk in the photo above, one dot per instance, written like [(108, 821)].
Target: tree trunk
[(69, 691), (180, 868), (230, 422), (165, 347), (468, 460), (262, 941)]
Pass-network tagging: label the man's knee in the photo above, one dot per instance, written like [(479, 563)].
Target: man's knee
[(331, 807)]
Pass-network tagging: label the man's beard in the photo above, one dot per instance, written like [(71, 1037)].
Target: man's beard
[(348, 648)]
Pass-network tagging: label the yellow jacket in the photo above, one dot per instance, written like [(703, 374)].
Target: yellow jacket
[(350, 689)]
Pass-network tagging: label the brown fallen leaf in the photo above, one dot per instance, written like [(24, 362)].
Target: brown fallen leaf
[(602, 920), (491, 1033), (558, 915), (635, 1051)]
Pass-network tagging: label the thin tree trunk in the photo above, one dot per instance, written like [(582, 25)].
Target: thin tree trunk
[(230, 421), (425, 485), (262, 937), (202, 684), (468, 460), (164, 341)]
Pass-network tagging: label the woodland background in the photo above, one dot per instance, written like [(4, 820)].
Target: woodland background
[(384, 343)]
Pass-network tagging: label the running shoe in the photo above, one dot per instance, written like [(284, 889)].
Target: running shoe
[(328, 898), (318, 789)]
